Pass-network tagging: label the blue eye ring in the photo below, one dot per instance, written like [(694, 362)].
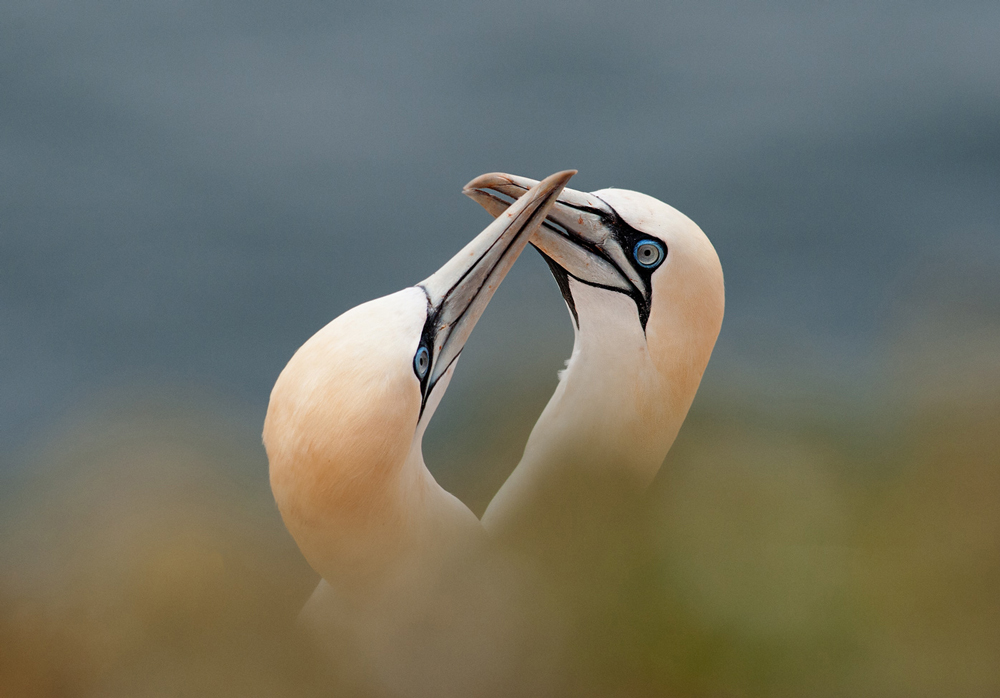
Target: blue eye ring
[(648, 253), (421, 362)]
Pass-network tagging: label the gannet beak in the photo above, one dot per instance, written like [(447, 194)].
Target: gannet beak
[(578, 234), (458, 292)]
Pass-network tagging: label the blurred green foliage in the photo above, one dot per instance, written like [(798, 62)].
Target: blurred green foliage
[(795, 555)]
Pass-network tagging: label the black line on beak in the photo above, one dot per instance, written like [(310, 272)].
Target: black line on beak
[(432, 325), (562, 280), (613, 222)]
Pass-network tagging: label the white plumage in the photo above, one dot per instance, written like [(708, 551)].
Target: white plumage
[(409, 572)]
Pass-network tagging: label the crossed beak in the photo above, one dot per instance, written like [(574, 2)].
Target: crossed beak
[(458, 293), (578, 234)]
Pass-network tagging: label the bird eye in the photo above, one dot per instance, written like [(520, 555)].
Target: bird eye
[(648, 253), (421, 362)]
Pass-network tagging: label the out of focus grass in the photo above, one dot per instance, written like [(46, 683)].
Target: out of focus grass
[(142, 556), (775, 556), (775, 561)]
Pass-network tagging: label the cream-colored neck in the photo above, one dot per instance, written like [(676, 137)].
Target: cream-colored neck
[(612, 418)]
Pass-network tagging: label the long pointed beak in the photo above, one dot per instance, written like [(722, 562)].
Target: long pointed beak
[(577, 235), (458, 293)]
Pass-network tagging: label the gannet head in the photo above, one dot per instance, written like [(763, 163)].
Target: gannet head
[(645, 288), (347, 414)]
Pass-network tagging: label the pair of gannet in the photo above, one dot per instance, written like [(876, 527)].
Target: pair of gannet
[(346, 418)]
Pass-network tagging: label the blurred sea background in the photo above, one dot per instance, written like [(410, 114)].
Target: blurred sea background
[(189, 190)]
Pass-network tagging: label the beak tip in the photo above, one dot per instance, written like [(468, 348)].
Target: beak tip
[(485, 181), (562, 178), (492, 180)]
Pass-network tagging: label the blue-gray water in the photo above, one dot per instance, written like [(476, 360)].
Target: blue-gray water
[(189, 190)]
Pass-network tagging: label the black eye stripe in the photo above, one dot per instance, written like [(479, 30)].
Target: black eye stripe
[(628, 238)]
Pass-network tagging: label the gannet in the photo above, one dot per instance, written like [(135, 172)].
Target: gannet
[(343, 437), (644, 287)]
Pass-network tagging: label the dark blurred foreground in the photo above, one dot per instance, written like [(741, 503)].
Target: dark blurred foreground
[(797, 556)]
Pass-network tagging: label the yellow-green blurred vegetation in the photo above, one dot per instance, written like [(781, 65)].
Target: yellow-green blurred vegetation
[(783, 551)]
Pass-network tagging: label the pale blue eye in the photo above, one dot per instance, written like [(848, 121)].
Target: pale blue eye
[(421, 362), (648, 253)]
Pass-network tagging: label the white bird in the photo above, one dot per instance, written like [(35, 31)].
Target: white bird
[(344, 427), (343, 436), (645, 289)]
